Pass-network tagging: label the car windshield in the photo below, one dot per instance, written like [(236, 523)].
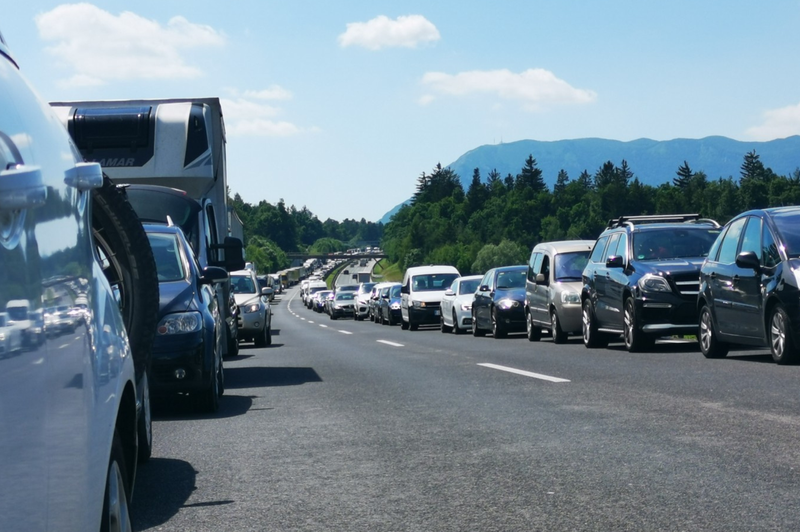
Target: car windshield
[(433, 281), (242, 284), (166, 252), (511, 279), (673, 243), (569, 266), (788, 224), (346, 296), (468, 287), (394, 291), (366, 287)]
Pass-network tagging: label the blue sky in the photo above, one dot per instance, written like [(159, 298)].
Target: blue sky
[(340, 106)]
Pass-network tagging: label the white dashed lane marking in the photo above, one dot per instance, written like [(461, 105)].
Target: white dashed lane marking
[(524, 373)]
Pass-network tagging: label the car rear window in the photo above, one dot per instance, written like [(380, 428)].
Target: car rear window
[(673, 243), (788, 224)]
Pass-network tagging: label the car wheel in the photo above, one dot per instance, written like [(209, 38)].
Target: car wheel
[(635, 340), (533, 331), (559, 336), (144, 427), (497, 327), (476, 331), (233, 347), (209, 399), (403, 324), (456, 328), (128, 264), (412, 326), (442, 327), (591, 338), (261, 339), (389, 319), (116, 512), (782, 344), (333, 317), (269, 335), (221, 380), (710, 345)]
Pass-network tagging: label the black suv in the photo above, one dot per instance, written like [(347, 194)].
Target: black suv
[(642, 279), (749, 285)]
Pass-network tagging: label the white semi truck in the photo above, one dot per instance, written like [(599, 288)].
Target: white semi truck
[(171, 153)]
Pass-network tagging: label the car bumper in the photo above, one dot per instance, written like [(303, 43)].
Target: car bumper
[(177, 356), (512, 319), (570, 318), (667, 314), (423, 316), (342, 312), (251, 323)]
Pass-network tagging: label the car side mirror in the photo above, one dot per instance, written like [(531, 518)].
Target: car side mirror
[(404, 289), (748, 260), (213, 274), (267, 291), (234, 254), (483, 288), (614, 261), (540, 278), (449, 292)]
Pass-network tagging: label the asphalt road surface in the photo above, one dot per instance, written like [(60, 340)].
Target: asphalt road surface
[(354, 426)]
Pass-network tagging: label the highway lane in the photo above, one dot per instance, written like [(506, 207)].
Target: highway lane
[(344, 425)]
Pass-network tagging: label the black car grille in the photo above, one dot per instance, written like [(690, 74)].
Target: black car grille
[(432, 304), (687, 284)]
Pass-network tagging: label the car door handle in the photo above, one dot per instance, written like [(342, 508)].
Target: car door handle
[(21, 188)]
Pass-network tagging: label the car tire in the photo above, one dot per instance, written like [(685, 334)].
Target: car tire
[(559, 336), (591, 337), (781, 341), (233, 347), (456, 328), (413, 326), (261, 339), (269, 335), (128, 265), (497, 328), (208, 402), (635, 339), (144, 428), (116, 500), (403, 324), (532, 331), (710, 345), (442, 327), (476, 331)]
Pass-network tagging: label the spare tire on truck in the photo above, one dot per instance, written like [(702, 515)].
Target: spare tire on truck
[(127, 261)]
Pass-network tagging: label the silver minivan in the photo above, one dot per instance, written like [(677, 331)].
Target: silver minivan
[(553, 288)]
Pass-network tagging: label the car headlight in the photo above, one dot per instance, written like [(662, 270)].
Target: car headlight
[(654, 283), (180, 323), (466, 306), (418, 304), (395, 306), (570, 297), (507, 304), (254, 307)]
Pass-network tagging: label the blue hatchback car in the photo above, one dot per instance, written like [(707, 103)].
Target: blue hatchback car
[(187, 350)]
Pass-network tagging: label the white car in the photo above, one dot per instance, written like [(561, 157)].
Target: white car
[(255, 314), (421, 294), (69, 440), (457, 304)]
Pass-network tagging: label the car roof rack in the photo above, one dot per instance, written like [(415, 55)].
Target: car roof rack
[(659, 219)]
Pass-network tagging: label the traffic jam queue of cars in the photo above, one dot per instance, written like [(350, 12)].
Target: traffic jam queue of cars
[(644, 278), (105, 303)]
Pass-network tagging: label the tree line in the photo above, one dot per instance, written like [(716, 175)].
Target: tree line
[(271, 231), (498, 220)]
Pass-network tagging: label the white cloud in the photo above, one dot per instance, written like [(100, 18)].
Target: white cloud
[(382, 32), (102, 47), (425, 99), (275, 92), (534, 87), (778, 124), (244, 117)]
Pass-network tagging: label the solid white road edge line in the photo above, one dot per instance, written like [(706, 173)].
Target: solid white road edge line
[(387, 342), (524, 373)]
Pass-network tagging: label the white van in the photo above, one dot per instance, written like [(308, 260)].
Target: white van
[(422, 292)]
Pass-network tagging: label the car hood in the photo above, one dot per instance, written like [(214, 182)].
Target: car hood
[(176, 296), (671, 266), (244, 299), (427, 296), (517, 294)]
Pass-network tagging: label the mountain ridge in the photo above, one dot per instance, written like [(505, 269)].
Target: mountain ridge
[(653, 162)]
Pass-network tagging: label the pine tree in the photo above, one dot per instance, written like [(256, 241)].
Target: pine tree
[(561, 182), (530, 177), (684, 176)]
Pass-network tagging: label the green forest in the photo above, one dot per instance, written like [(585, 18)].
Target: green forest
[(497, 220)]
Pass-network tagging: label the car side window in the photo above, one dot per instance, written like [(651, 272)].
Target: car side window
[(545, 269), (612, 247), (486, 279), (599, 248), (730, 242), (622, 247), (769, 250), (751, 241), (534, 265)]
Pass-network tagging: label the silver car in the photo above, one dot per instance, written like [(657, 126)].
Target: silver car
[(457, 304), (553, 288)]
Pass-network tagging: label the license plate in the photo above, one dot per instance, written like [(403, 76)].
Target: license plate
[(435, 312)]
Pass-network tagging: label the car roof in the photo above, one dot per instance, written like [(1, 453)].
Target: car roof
[(564, 246)]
